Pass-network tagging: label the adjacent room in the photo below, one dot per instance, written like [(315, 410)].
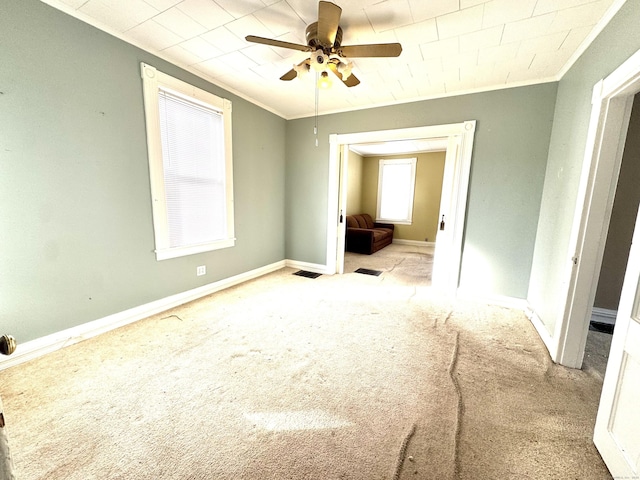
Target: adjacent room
[(187, 188)]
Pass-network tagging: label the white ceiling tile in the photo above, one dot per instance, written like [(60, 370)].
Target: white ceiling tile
[(356, 28), (499, 54), (489, 78), (181, 55), (389, 14), (411, 53), (419, 70), (270, 71), (240, 8), (206, 12), (307, 11), (214, 67), (521, 75), (547, 64), (489, 37), (75, 4), (576, 37), (471, 3), (546, 43), (249, 25), (179, 23), (581, 16), (498, 12), (366, 65), (429, 66), (117, 15), (457, 61), (224, 40), (433, 89), (162, 4), (237, 60), (529, 28), (262, 54), (399, 71), (153, 34), (446, 76), (424, 31), (201, 48), (440, 48), (422, 10), (384, 37), (547, 6), (461, 22), (280, 19)]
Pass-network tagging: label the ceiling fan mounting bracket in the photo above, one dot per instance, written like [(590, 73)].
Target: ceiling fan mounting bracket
[(311, 34)]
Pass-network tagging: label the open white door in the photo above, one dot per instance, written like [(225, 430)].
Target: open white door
[(617, 431), (445, 262), (612, 103)]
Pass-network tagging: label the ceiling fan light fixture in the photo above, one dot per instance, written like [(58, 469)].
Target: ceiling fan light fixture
[(319, 60), (345, 69), (302, 69), (324, 81)]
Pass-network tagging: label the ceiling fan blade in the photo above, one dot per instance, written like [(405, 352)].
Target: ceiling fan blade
[(350, 81), (290, 75), (293, 73), (371, 50), (328, 21), (277, 43)]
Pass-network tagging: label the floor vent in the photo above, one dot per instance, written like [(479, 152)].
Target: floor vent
[(304, 273), (367, 271)]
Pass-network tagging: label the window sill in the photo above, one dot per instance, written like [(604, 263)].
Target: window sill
[(168, 253)]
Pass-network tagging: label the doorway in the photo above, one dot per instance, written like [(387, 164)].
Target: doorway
[(610, 116), (459, 147)]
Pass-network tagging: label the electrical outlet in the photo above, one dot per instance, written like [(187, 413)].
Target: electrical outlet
[(201, 270)]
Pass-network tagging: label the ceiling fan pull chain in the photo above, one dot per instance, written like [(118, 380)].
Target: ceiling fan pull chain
[(315, 128)]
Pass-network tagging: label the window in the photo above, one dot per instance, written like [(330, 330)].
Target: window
[(396, 184), (190, 163)]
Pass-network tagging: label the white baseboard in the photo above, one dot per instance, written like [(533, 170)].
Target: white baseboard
[(310, 267), (498, 300), (50, 343), (604, 315), (416, 243)]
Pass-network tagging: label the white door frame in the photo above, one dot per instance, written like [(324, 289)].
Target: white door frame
[(460, 134), (612, 101)]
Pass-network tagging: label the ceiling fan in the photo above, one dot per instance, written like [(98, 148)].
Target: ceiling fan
[(324, 42)]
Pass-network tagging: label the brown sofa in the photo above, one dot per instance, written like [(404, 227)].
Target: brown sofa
[(366, 236)]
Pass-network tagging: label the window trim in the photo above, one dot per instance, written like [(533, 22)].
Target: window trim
[(153, 82), (397, 161)]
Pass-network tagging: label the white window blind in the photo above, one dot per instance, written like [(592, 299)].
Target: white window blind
[(193, 166), (396, 184), (190, 165)]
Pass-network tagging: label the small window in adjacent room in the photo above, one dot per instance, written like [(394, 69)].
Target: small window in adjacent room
[(190, 162), (396, 184)]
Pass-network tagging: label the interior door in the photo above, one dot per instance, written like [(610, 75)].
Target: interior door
[(618, 422), (444, 262), (342, 206)]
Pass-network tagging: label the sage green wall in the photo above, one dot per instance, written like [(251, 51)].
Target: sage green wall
[(507, 175), (623, 218), (354, 184), (426, 198), (617, 42), (76, 234)]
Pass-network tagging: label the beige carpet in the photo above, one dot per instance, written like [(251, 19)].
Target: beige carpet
[(343, 377)]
